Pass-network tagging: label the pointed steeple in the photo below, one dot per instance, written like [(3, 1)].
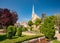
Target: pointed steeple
[(33, 10), (34, 15)]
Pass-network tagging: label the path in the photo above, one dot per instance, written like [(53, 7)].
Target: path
[(57, 35), (28, 33)]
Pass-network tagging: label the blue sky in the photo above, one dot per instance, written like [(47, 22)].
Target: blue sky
[(24, 7)]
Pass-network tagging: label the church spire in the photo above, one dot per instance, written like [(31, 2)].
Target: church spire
[(34, 16), (33, 10)]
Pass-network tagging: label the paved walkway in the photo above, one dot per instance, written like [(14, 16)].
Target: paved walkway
[(28, 33), (57, 35), (2, 31)]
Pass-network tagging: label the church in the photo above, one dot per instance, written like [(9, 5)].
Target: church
[(34, 15)]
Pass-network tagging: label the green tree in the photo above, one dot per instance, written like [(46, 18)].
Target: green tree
[(48, 28), (30, 23), (14, 30), (37, 21), (19, 31)]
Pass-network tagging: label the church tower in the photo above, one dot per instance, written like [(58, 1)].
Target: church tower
[(34, 15), (33, 10)]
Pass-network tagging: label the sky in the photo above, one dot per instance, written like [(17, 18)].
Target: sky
[(24, 7)]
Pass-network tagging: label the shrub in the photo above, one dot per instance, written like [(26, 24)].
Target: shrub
[(11, 31), (48, 28), (19, 31), (14, 30)]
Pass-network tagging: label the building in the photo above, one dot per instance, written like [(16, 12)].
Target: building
[(43, 18), (17, 24), (34, 15), (24, 24)]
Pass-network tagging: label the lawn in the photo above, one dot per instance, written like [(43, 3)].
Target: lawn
[(16, 39), (55, 41)]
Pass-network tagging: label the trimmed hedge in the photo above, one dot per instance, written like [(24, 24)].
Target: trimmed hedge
[(17, 39), (26, 38), (19, 31), (11, 31)]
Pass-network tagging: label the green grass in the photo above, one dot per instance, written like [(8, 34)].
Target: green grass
[(16, 39), (55, 41)]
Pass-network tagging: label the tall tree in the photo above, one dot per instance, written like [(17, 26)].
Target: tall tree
[(37, 21), (7, 17), (30, 23), (48, 28)]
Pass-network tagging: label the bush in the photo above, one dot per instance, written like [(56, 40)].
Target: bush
[(18, 39), (48, 28), (11, 31), (14, 30), (19, 31)]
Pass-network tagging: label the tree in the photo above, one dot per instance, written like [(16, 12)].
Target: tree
[(30, 23), (37, 21), (48, 28), (7, 17)]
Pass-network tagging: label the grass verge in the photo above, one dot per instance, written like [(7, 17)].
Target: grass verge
[(17, 39), (55, 41)]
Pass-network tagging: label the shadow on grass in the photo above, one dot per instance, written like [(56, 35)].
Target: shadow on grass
[(2, 37), (19, 42), (14, 37)]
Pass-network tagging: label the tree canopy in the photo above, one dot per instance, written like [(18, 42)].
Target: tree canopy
[(48, 28), (30, 23), (7, 17), (37, 21)]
